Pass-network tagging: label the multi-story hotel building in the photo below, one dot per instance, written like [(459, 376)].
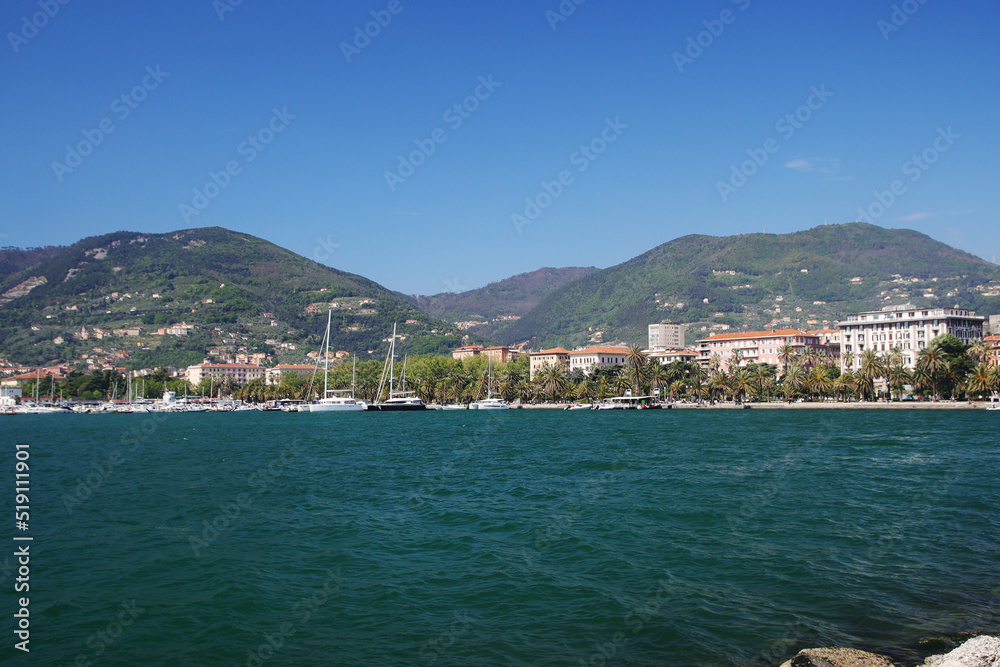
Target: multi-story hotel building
[(596, 357), (556, 356), (760, 347), (908, 328), (239, 373), (666, 336)]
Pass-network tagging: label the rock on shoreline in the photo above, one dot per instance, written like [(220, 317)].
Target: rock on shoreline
[(982, 651)]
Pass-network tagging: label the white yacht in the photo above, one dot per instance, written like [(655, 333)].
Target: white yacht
[(490, 402), (334, 400)]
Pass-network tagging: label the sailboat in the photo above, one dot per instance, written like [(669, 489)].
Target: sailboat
[(334, 400), (399, 400), (490, 402)]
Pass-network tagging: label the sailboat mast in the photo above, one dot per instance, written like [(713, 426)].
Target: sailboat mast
[(354, 374), (392, 361), (326, 355)]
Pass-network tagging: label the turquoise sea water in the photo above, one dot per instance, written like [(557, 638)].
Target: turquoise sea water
[(519, 538)]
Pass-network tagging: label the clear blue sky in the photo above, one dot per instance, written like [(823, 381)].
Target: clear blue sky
[(320, 188)]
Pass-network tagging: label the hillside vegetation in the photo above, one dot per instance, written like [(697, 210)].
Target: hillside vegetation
[(230, 286), (812, 278)]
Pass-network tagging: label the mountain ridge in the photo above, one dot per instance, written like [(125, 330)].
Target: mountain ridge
[(229, 284), (752, 280)]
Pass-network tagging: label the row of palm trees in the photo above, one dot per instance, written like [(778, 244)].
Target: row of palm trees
[(804, 374)]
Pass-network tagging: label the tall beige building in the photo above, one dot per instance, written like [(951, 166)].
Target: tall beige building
[(667, 336)]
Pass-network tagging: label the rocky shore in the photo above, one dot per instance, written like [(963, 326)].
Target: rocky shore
[(981, 651)]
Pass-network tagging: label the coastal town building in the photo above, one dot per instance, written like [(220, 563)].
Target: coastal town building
[(57, 373), (274, 375), (756, 347), (500, 354), (667, 357), (466, 352), (667, 336), (993, 343), (908, 328), (596, 357), (238, 373), (831, 339), (555, 356)]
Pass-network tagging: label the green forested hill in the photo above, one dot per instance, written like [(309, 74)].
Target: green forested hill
[(248, 288), (500, 301), (810, 277)]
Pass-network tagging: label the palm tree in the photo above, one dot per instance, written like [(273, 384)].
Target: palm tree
[(980, 382), (794, 380), (819, 381), (897, 375), (848, 361), (622, 383), (741, 383), (786, 353), (979, 352), (636, 359), (553, 380), (844, 384), (658, 376), (763, 379), (872, 368), (931, 361), (677, 387), (735, 359), (718, 384)]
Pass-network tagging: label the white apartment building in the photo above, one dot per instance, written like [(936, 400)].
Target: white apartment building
[(596, 357), (667, 336), (907, 327)]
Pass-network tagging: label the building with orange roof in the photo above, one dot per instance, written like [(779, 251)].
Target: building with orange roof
[(760, 347), (596, 357), (466, 352), (993, 343), (238, 373), (555, 356), (500, 354)]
